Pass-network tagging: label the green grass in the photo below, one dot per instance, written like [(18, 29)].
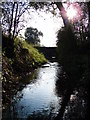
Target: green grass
[(26, 59), (33, 54)]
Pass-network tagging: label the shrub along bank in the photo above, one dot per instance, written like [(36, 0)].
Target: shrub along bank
[(24, 61)]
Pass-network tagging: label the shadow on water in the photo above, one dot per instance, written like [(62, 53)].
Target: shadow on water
[(73, 94)]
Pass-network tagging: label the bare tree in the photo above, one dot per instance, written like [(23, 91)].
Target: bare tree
[(11, 14)]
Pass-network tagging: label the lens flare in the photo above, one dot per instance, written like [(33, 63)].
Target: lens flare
[(73, 12)]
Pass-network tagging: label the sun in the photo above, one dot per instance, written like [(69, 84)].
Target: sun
[(73, 12)]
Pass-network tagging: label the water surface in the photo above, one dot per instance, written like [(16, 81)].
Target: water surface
[(38, 98)]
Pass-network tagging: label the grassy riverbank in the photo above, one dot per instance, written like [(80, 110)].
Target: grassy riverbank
[(25, 60)]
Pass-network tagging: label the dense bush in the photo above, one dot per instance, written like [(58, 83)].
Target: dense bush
[(72, 57), (25, 59)]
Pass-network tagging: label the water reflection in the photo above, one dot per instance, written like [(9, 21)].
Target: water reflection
[(74, 101), (38, 99)]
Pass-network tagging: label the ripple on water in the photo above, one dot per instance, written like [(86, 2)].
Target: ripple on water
[(38, 97)]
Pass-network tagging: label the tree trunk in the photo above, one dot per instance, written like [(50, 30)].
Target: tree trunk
[(88, 4), (71, 50), (15, 20), (11, 22), (60, 7)]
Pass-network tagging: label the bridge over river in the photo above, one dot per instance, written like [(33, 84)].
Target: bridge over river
[(49, 52)]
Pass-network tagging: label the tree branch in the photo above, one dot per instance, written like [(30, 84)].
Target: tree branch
[(60, 7)]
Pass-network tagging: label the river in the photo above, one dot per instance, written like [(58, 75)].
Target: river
[(38, 99)]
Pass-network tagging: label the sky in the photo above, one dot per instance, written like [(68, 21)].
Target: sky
[(47, 23)]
